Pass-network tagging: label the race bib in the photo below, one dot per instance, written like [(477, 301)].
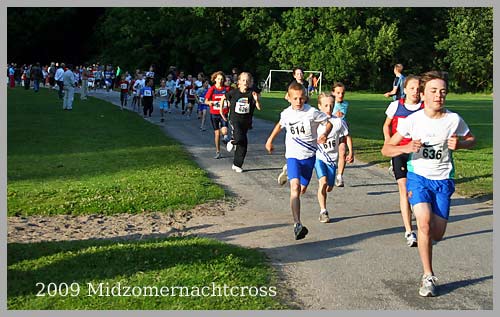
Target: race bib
[(216, 105), (202, 99), (163, 92), (242, 106), (147, 93), (123, 86), (329, 145), (433, 149), (299, 128)]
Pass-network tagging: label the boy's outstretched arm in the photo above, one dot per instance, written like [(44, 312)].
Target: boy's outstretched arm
[(270, 139), (322, 138), (392, 149)]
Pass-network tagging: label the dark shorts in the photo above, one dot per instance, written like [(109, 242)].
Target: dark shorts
[(399, 165), (217, 121)]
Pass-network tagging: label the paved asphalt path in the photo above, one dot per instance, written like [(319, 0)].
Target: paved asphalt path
[(360, 260)]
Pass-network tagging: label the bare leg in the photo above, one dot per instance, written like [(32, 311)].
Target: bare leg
[(404, 205)]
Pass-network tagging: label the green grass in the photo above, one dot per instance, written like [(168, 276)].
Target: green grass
[(366, 115), (94, 159), (185, 262)]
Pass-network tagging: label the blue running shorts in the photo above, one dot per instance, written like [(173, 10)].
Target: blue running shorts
[(435, 192), (328, 170), (301, 169)]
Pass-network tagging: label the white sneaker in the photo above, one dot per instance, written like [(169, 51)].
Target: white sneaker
[(283, 176), (339, 181), (411, 239), (237, 169), (229, 146)]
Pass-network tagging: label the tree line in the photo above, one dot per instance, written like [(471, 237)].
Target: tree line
[(357, 46)]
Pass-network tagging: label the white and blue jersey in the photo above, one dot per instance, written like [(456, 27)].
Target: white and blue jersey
[(328, 152), (301, 131)]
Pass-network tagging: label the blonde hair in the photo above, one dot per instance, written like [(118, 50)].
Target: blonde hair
[(322, 95)]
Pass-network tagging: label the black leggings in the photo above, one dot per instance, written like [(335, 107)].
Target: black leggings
[(148, 105), (240, 139)]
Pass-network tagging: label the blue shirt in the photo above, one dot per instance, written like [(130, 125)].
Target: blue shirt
[(342, 107)]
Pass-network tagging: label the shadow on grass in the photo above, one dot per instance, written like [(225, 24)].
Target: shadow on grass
[(96, 260)]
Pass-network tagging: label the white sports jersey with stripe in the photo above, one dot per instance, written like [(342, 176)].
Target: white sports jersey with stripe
[(434, 160), (301, 130), (329, 151)]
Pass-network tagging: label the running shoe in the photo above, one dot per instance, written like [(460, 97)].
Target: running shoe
[(217, 155), (390, 169), (411, 239), (229, 146), (339, 181), (300, 231), (323, 217), (237, 169), (428, 286), (283, 176)]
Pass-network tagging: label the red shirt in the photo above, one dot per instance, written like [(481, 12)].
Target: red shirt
[(123, 84), (215, 94)]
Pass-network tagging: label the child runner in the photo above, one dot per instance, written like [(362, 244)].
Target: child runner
[(191, 98), (202, 106), (298, 77), (171, 92), (242, 102), (147, 95), (124, 85), (180, 85), (301, 122), (213, 98), (140, 83), (397, 91), (396, 112), (434, 134), (340, 111), (163, 98), (326, 155)]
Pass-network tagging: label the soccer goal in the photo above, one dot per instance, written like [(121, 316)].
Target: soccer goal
[(278, 79)]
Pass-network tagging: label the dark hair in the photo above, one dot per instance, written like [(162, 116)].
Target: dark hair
[(337, 84), (431, 75), (411, 77)]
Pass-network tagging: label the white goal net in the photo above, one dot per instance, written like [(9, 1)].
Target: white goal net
[(278, 79)]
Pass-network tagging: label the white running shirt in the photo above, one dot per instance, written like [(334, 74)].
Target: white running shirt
[(329, 151), (434, 160), (301, 131)]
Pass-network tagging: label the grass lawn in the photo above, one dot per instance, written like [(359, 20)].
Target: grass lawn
[(144, 266), (94, 159), (366, 115)]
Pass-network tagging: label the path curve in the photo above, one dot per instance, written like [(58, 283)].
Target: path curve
[(359, 261)]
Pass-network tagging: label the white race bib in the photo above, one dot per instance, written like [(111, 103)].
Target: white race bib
[(147, 93), (433, 149), (123, 86), (242, 106), (299, 128), (163, 92)]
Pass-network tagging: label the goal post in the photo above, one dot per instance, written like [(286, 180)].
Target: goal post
[(277, 79)]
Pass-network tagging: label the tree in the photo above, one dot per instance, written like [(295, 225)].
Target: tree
[(468, 49)]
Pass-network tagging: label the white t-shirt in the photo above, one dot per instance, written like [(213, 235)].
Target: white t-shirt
[(434, 160), (329, 151), (301, 131), (139, 84)]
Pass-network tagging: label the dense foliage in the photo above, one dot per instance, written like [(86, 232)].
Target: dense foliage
[(355, 45)]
